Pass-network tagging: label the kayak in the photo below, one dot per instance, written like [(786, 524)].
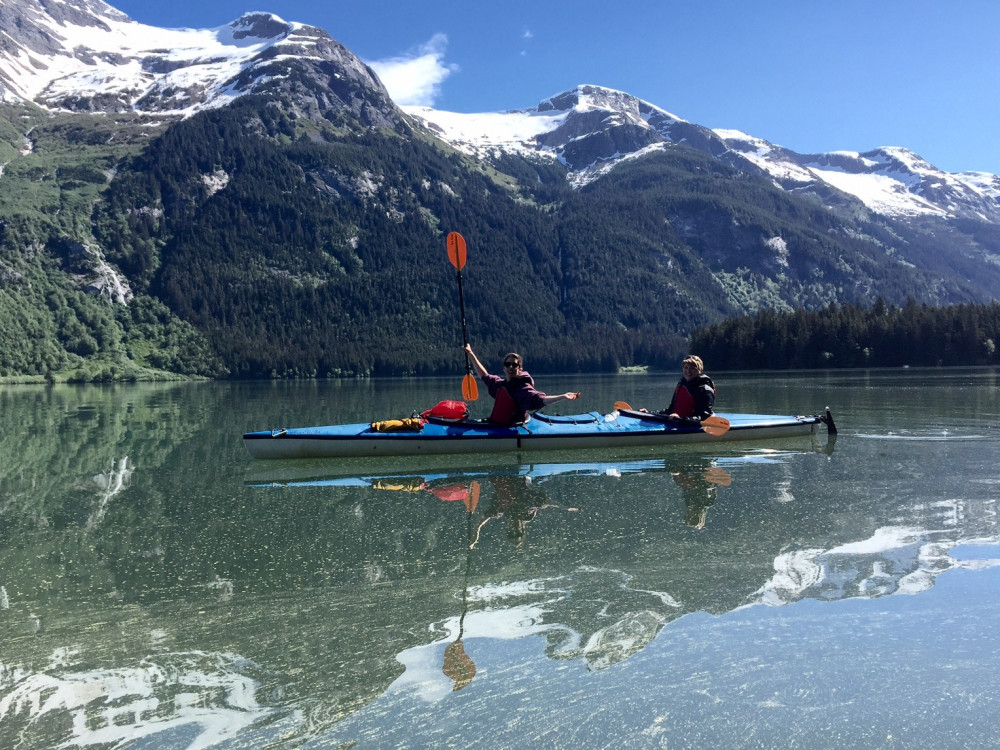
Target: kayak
[(433, 436)]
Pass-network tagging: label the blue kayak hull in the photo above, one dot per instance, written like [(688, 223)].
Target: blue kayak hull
[(589, 430)]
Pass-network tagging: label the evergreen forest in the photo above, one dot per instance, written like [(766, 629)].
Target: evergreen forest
[(849, 335)]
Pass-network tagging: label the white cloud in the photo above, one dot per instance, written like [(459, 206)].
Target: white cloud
[(415, 78)]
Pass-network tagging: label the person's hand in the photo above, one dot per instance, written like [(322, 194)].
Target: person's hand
[(572, 396)]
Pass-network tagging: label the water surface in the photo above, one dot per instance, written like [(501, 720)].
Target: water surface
[(159, 588)]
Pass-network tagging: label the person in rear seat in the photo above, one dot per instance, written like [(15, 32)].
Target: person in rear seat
[(694, 396)]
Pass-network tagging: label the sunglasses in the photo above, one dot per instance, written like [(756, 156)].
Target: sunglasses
[(511, 364)]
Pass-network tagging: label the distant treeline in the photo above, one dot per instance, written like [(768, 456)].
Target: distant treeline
[(852, 336)]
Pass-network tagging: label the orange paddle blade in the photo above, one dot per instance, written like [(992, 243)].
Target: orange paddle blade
[(473, 501), (715, 425), (620, 405), (718, 475), (456, 250), (458, 667), (470, 391)]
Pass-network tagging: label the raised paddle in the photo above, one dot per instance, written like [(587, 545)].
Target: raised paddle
[(712, 424), (456, 254)]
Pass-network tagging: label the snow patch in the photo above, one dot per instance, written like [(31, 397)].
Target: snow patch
[(481, 133)]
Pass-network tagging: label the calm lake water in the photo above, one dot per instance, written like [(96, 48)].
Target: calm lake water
[(160, 589)]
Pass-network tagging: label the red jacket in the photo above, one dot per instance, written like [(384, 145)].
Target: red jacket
[(514, 397), (693, 399)]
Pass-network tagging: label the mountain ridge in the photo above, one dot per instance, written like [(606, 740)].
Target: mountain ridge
[(901, 183)]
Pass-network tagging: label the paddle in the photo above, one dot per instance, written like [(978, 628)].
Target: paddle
[(712, 424), (718, 475), (456, 254), (458, 666)]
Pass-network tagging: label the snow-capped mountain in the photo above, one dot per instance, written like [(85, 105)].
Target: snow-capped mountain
[(888, 180), (587, 129), (87, 56), (590, 129)]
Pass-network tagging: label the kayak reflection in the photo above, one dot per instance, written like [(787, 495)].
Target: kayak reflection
[(517, 497)]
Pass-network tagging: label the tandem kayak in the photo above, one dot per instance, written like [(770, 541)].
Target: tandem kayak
[(620, 428)]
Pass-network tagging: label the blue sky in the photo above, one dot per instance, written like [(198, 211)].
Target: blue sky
[(809, 75)]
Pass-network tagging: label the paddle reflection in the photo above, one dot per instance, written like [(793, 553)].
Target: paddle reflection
[(458, 665), (517, 501)]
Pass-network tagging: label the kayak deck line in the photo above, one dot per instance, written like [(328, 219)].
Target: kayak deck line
[(541, 432)]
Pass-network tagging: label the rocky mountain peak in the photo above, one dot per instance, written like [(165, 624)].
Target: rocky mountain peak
[(85, 56), (593, 97), (260, 26)]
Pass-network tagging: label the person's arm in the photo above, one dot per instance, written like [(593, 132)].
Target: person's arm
[(568, 396), (476, 364), (530, 398), (704, 401)]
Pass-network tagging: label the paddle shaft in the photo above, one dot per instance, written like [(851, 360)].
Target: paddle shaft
[(470, 392), (457, 254), (711, 424), (465, 333)]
